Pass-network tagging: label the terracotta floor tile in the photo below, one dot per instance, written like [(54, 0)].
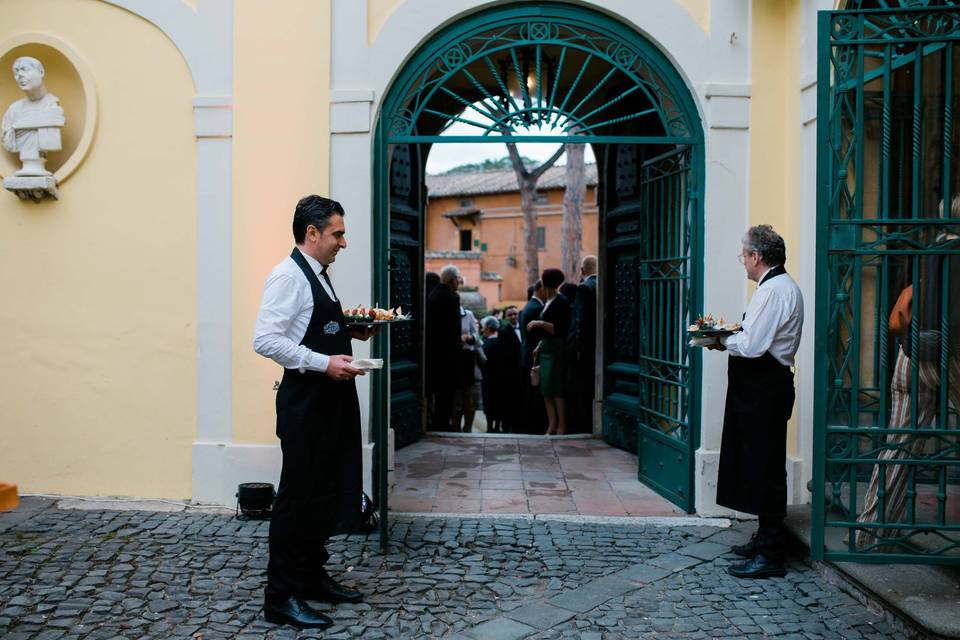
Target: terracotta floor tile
[(503, 494), (464, 483), (410, 505), (505, 506), (454, 474), (494, 474), (498, 483), (544, 484), (456, 505), (547, 493), (552, 506)]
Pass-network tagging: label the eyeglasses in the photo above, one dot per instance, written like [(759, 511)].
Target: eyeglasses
[(742, 258)]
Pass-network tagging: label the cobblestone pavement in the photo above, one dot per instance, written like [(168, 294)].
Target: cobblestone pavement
[(69, 574)]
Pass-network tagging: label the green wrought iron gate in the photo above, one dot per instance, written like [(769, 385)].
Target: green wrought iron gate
[(667, 403), (534, 72), (650, 240), (887, 444)]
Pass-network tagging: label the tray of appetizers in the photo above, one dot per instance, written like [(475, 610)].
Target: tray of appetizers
[(371, 316), (709, 327)]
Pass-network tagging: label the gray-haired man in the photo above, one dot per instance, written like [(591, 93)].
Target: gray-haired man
[(760, 396)]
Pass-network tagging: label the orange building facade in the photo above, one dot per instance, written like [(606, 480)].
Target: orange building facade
[(474, 221)]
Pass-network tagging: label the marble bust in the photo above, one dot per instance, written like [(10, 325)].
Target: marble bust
[(31, 127)]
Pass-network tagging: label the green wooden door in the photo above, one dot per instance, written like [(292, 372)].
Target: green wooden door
[(406, 230), (620, 268), (886, 432)]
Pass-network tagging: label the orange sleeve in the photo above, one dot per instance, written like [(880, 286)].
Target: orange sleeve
[(901, 315)]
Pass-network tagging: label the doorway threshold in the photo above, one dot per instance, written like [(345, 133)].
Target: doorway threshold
[(509, 436)]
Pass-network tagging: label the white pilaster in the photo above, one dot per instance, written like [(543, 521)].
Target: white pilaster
[(204, 37)]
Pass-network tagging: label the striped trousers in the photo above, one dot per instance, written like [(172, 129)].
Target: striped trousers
[(904, 445)]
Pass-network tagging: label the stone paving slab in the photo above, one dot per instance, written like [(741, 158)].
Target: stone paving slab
[(706, 550), (79, 575), (593, 594)]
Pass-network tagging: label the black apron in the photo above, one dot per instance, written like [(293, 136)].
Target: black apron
[(753, 449), (318, 423)]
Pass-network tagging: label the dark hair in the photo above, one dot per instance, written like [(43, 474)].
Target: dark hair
[(552, 278), (510, 306), (313, 210), (569, 291), (768, 243), (430, 281)]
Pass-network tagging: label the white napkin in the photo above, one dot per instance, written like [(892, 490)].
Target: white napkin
[(368, 363), (704, 341)]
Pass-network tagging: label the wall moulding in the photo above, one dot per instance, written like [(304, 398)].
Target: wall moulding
[(70, 78)]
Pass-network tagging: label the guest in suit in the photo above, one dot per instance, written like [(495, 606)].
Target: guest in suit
[(511, 346), (583, 348), (442, 345), (551, 333), (533, 419), (492, 383)]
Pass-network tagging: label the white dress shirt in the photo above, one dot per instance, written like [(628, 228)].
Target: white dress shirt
[(285, 311), (773, 322)]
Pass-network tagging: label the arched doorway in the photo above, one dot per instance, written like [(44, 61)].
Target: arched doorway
[(600, 83)]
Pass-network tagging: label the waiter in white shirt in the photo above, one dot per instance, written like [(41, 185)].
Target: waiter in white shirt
[(760, 395), (301, 327)]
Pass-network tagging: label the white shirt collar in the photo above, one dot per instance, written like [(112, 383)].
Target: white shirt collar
[(765, 275), (313, 262)]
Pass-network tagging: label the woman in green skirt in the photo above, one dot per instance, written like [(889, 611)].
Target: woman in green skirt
[(551, 332)]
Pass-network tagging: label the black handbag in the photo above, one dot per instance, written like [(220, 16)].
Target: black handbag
[(369, 518)]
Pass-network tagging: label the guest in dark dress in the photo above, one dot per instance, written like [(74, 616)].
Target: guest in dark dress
[(551, 333), (583, 346)]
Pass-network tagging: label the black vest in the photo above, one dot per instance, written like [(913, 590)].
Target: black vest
[(327, 332)]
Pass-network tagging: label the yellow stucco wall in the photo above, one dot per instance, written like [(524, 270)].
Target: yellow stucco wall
[(98, 384), (281, 153), (775, 131)]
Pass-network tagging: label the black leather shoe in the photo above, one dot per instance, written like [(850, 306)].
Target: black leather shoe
[(295, 612), (759, 566), (748, 549), (329, 590)]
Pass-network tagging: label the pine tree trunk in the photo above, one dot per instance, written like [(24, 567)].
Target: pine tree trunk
[(571, 229), (528, 192), (527, 182)]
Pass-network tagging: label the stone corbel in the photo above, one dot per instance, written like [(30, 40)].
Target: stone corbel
[(213, 117), (729, 105), (350, 110)]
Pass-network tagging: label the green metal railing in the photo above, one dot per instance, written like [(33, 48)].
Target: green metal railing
[(887, 443)]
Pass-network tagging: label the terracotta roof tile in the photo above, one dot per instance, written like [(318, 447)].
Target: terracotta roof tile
[(481, 182)]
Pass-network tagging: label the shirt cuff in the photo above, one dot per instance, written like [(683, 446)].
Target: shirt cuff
[(314, 362)]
